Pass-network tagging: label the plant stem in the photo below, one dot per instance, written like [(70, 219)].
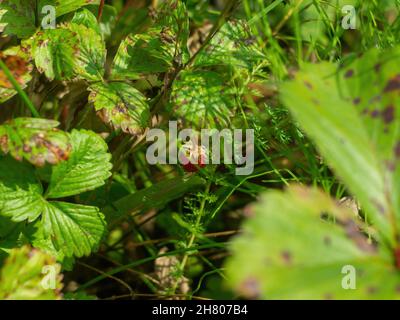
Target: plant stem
[(18, 88), (194, 235), (101, 8)]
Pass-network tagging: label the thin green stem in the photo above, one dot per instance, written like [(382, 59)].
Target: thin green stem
[(194, 234)]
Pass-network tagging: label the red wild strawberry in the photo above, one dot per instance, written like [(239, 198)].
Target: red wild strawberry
[(192, 157)]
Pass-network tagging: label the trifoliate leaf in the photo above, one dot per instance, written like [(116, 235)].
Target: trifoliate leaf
[(19, 67), (20, 191), (121, 106), (75, 230), (86, 169), (300, 244), (351, 115), (232, 46), (23, 276), (202, 99), (36, 140)]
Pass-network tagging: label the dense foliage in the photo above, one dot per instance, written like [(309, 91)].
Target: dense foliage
[(85, 215)]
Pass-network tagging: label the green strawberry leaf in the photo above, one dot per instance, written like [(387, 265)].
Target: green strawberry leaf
[(22, 277), (202, 99), (92, 52), (36, 140), (159, 48), (172, 17), (54, 52), (299, 242), (372, 84), (21, 198), (75, 230), (86, 169), (72, 50), (152, 52), (121, 106), (86, 18), (232, 46), (20, 191), (64, 7)]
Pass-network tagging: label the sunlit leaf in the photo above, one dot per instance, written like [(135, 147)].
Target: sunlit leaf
[(36, 140), (86, 169), (70, 51), (233, 46), (121, 106), (201, 98), (152, 52), (75, 230)]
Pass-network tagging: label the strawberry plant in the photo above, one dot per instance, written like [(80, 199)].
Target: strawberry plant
[(182, 149)]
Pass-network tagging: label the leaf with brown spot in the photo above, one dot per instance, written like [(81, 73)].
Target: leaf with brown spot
[(202, 99), (35, 140), (20, 68), (120, 105), (356, 128), (289, 251)]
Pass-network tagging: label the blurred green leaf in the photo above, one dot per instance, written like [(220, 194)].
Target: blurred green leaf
[(296, 245), (357, 130), (21, 277), (154, 197)]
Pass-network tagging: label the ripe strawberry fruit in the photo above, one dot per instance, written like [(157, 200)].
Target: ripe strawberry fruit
[(188, 155)]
